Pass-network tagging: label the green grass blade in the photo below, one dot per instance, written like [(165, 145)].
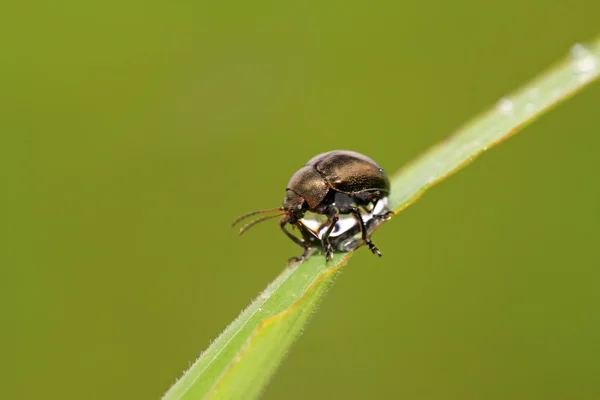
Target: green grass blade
[(509, 115), (240, 362)]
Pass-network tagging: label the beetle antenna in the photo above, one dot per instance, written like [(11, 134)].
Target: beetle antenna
[(241, 217), (256, 221)]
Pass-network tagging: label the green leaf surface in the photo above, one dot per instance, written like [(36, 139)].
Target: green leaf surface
[(241, 361)]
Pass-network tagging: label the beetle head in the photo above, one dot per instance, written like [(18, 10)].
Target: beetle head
[(294, 206)]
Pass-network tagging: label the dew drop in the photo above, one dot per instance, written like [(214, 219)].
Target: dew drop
[(505, 105), (584, 62)]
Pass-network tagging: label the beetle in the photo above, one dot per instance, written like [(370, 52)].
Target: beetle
[(339, 182)]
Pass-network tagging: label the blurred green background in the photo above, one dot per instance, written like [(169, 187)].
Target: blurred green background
[(133, 132)]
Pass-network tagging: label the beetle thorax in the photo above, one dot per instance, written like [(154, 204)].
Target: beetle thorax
[(309, 185)]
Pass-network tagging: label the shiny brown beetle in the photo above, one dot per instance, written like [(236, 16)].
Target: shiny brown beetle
[(330, 184)]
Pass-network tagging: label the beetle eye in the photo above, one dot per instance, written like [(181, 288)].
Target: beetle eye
[(298, 212)]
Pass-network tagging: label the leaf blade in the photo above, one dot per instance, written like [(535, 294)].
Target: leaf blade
[(241, 361)]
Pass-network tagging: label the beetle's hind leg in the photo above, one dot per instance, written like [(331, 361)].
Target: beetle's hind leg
[(385, 216), (365, 236)]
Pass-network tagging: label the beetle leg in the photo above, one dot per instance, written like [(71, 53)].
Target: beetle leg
[(385, 216), (300, 258), (356, 212), (368, 197), (296, 240), (333, 219), (304, 244)]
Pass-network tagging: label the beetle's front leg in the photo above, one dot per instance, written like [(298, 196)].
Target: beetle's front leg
[(303, 243)]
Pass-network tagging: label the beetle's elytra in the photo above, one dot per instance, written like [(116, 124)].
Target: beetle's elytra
[(333, 185)]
